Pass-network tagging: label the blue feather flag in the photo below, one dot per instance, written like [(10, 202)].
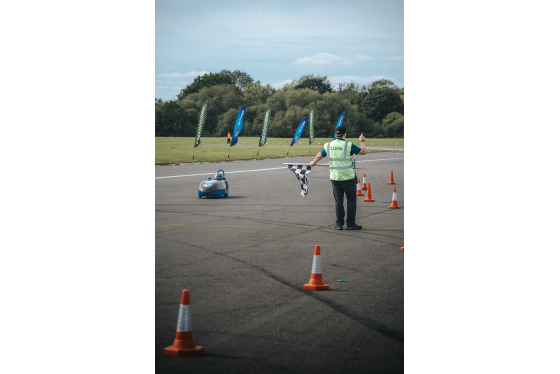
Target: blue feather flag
[(238, 125), (340, 119), (299, 130)]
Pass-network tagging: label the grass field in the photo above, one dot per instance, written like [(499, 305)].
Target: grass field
[(173, 150)]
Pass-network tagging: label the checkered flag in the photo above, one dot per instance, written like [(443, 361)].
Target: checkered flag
[(301, 171)]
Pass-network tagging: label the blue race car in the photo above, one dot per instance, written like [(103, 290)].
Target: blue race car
[(214, 186)]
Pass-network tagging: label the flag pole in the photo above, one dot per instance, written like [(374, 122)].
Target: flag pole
[(293, 163)]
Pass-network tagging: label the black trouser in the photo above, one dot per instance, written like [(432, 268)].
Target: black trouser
[(339, 189)]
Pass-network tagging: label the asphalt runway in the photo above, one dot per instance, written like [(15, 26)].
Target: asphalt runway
[(245, 260)]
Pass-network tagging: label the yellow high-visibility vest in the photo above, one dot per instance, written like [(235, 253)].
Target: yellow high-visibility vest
[(341, 164)]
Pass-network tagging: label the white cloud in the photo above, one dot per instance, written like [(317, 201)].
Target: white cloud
[(320, 59), (190, 74), (279, 85), (363, 57), (170, 84)]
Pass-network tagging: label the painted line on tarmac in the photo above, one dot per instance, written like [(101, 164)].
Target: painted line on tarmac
[(291, 227), (381, 159), (229, 172), (256, 170)]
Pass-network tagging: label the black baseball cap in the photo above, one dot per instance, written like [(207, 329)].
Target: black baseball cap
[(340, 130)]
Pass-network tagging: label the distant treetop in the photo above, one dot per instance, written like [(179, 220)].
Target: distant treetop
[(235, 78)]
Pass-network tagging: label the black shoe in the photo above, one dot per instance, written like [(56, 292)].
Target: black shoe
[(338, 226), (353, 227)]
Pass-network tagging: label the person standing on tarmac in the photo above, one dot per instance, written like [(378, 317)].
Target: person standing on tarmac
[(343, 179)]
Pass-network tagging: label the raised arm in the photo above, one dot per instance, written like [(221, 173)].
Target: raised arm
[(362, 144)]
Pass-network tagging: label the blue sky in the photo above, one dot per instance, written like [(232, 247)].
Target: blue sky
[(278, 41)]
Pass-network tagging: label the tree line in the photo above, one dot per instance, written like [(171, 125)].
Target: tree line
[(376, 110)]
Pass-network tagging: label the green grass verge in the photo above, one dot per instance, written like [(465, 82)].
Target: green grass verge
[(175, 150)]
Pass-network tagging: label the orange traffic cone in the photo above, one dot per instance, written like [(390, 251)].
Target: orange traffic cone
[(368, 195), (394, 204), (184, 345), (316, 281), (358, 189), (391, 181), (364, 184)]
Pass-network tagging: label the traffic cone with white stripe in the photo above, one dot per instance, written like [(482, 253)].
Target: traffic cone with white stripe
[(184, 345), (368, 195), (316, 281), (391, 181), (358, 189), (364, 184), (394, 204)]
